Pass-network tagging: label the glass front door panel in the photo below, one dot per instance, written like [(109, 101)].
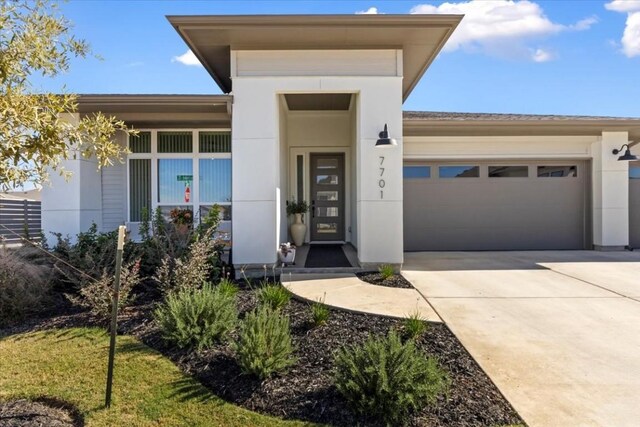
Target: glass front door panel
[(327, 197)]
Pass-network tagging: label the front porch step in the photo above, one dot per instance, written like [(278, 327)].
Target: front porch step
[(325, 270)]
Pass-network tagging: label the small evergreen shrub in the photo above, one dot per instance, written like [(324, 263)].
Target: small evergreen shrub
[(226, 286), (197, 318), (319, 313), (97, 296), (414, 326), (264, 343), (386, 271), (386, 378), (273, 295)]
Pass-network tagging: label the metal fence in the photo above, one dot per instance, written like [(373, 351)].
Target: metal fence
[(18, 219)]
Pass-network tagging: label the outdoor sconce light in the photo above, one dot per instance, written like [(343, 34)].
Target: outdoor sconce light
[(627, 156), (384, 140)]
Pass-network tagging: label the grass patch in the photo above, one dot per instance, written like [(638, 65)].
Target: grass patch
[(149, 390)]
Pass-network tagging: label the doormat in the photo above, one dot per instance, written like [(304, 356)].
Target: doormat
[(326, 256)]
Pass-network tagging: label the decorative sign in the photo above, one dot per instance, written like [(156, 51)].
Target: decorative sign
[(381, 182), (182, 178)]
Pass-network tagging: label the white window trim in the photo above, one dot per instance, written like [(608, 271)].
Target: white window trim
[(154, 156)]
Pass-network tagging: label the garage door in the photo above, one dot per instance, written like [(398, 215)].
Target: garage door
[(634, 205), (516, 205)]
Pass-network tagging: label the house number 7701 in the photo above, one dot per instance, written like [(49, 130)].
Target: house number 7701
[(381, 182)]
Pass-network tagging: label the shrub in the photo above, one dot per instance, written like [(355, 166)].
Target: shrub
[(25, 283), (414, 326), (92, 256), (388, 379), (273, 295), (226, 286), (197, 318), (386, 271), (264, 343), (192, 272), (97, 296), (319, 313)]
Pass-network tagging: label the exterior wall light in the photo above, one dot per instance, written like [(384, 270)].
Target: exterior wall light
[(627, 156), (384, 140)]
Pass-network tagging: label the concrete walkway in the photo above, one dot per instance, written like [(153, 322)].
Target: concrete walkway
[(347, 292), (558, 332)]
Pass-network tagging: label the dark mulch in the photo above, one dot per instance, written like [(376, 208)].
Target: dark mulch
[(45, 412), (305, 392), (375, 278)]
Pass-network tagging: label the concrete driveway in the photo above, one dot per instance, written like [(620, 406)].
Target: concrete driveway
[(558, 332)]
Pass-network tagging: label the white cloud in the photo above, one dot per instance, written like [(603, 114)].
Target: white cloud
[(541, 55), (623, 5), (501, 27), (631, 35), (134, 64), (370, 11), (584, 24), (187, 58)]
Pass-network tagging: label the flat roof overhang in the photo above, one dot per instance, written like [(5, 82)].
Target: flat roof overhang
[(212, 37), (550, 127), (162, 111)]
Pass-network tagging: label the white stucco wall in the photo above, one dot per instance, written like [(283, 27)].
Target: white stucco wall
[(610, 193), (257, 166), (69, 207)]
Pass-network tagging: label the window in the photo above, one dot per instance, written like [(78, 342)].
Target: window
[(634, 172), (175, 142), (416, 172), (139, 187), (508, 171), (459, 171), (140, 143), (175, 181), (557, 171), (215, 180), (167, 169)]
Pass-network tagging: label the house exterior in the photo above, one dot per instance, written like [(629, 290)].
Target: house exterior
[(306, 98)]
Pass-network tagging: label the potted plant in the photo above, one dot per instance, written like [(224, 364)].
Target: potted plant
[(182, 219), (287, 253), (298, 228)]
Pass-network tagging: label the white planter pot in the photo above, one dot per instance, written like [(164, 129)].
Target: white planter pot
[(298, 230)]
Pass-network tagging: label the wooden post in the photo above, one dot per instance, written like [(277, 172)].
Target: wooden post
[(114, 314)]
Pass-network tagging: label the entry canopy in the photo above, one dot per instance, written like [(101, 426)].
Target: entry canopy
[(212, 37)]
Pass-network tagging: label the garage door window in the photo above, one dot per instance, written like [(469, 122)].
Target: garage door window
[(416, 172), (459, 171), (634, 172), (508, 171), (557, 171)]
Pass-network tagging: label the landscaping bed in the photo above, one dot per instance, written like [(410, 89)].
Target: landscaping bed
[(376, 278), (305, 391)]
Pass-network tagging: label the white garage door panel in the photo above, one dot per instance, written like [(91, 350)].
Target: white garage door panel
[(524, 213)]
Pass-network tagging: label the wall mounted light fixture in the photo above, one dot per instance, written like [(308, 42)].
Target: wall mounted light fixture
[(384, 140), (627, 156)]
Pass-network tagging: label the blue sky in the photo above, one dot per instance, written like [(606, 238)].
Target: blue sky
[(549, 57)]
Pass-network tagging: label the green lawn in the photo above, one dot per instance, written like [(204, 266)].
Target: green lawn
[(149, 390)]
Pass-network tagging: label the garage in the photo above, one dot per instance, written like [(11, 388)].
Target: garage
[(634, 204), (498, 205)]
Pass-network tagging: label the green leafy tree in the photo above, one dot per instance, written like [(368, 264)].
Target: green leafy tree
[(37, 131)]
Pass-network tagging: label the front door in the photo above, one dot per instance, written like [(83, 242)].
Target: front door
[(327, 197)]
